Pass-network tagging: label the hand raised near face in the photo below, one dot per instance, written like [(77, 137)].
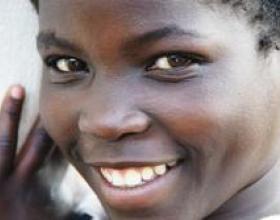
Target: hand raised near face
[(21, 196)]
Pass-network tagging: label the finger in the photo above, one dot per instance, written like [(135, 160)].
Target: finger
[(24, 148), (9, 121), (37, 148)]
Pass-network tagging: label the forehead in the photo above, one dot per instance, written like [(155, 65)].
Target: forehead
[(103, 28), (115, 16)]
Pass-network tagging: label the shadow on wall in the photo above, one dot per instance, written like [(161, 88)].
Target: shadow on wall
[(20, 63)]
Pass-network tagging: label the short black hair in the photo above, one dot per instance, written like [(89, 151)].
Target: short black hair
[(262, 14), (265, 14)]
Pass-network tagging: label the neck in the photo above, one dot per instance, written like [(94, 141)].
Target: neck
[(257, 201)]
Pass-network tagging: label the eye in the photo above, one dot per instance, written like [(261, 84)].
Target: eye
[(175, 67), (64, 64), (173, 61)]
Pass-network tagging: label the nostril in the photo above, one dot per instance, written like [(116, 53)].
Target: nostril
[(79, 216)]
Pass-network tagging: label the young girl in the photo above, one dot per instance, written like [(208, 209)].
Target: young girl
[(169, 109)]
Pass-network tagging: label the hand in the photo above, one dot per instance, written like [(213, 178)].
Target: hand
[(21, 195)]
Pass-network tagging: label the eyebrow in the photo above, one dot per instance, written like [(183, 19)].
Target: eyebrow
[(156, 35), (49, 39)]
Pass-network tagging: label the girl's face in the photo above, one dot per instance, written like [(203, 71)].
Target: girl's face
[(165, 107)]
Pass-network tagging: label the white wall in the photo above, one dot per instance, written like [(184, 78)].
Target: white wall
[(19, 62)]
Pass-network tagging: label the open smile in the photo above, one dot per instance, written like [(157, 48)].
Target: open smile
[(135, 187), (131, 177)]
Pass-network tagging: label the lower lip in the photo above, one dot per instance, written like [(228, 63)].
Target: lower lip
[(141, 197)]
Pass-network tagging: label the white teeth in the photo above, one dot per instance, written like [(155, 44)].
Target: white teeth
[(132, 178), (148, 173), (160, 170), (117, 179), (172, 164), (107, 175), (135, 176)]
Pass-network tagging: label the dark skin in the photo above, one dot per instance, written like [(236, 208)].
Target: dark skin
[(18, 181), (127, 102), (128, 106)]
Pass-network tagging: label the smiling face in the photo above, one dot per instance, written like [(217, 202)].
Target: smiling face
[(165, 107)]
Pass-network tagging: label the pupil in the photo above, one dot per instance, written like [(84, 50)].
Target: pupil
[(176, 60), (74, 65)]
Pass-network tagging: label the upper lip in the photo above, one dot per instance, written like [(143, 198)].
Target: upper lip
[(130, 163), (132, 154)]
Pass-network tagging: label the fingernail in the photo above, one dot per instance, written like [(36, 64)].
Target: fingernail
[(17, 92)]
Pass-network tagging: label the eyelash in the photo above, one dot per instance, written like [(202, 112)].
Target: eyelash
[(185, 59), (184, 68)]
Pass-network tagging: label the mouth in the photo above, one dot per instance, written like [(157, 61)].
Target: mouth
[(137, 187), (131, 177)]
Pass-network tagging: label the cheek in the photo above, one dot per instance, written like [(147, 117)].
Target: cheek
[(59, 116), (199, 127), (221, 127)]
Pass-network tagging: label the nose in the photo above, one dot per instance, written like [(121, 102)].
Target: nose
[(114, 125)]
